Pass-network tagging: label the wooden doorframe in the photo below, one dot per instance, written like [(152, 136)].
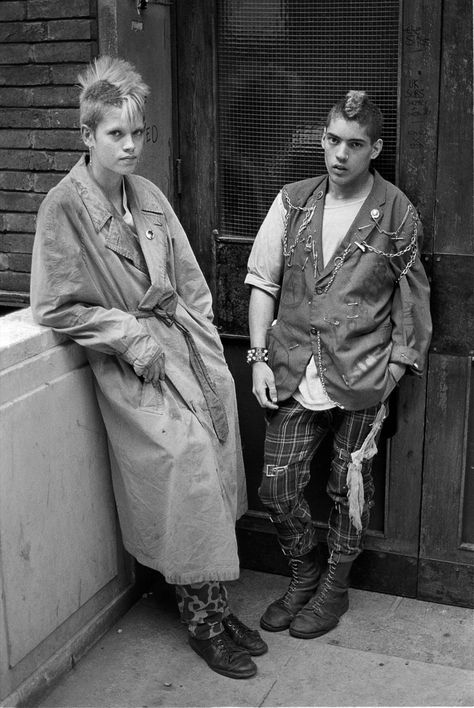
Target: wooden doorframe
[(195, 26), (446, 565)]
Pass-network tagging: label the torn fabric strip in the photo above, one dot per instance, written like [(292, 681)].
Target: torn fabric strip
[(354, 481)]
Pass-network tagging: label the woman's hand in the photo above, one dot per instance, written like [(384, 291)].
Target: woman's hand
[(263, 387), (154, 371)]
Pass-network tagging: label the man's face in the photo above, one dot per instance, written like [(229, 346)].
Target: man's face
[(348, 151)]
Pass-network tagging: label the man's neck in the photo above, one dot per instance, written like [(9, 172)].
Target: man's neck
[(353, 191)]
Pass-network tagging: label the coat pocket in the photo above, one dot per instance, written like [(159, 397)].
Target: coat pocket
[(152, 397)]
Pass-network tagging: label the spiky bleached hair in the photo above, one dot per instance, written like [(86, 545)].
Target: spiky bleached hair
[(357, 106), (107, 82)]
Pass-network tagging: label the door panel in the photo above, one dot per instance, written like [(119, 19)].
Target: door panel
[(419, 100), (454, 213), (447, 528)]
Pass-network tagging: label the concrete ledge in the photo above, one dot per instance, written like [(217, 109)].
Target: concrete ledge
[(64, 575), (21, 338)]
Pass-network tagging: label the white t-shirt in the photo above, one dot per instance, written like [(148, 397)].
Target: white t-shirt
[(127, 216)]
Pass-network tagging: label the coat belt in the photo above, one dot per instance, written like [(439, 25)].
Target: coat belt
[(215, 407)]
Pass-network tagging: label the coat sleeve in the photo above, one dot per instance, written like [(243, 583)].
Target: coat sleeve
[(190, 283), (410, 314), (63, 294)]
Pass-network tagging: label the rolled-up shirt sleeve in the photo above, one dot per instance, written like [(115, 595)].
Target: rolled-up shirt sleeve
[(265, 264)]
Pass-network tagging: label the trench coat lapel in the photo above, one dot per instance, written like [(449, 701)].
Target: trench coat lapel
[(370, 213), (149, 221), (149, 255), (121, 240), (117, 235)]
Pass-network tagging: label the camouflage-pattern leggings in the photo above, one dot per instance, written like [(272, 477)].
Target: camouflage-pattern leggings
[(202, 607)]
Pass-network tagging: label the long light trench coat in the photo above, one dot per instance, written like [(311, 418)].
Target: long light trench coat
[(175, 450)]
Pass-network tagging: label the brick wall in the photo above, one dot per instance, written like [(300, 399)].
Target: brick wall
[(43, 46)]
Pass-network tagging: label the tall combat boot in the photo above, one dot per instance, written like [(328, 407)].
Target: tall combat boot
[(328, 605), (305, 573)]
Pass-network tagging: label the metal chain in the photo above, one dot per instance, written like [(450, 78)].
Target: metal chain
[(412, 246), (395, 254), (409, 264), (321, 370), (320, 364), (288, 251), (394, 234), (338, 263)]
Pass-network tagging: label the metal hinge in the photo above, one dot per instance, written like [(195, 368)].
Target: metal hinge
[(142, 5)]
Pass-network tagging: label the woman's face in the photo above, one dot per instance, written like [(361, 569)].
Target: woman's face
[(116, 143)]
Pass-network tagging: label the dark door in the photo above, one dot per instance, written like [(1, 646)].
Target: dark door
[(446, 558), (255, 81)]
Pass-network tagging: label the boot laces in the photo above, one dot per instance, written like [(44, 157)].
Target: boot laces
[(321, 596), (292, 587), (241, 630), (227, 646)]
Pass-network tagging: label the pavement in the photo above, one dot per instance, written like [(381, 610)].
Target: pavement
[(386, 651)]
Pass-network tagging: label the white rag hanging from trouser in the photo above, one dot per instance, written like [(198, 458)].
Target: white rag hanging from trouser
[(354, 481)]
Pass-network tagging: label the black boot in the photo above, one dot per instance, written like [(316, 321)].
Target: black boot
[(305, 573), (328, 605)]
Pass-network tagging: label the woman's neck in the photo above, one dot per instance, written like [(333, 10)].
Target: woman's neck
[(110, 184)]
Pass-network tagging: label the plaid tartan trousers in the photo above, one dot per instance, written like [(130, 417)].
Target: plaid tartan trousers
[(293, 436)]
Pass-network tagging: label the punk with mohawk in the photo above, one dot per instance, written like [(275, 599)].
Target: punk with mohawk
[(339, 310), (356, 106)]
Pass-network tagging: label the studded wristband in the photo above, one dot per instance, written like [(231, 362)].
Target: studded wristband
[(257, 354)]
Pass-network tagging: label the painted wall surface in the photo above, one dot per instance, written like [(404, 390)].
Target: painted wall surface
[(144, 38), (61, 559)]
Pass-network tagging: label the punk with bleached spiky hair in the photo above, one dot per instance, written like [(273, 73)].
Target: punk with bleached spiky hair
[(357, 106), (111, 82)]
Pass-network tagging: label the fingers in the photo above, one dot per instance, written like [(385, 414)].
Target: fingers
[(264, 388), (156, 371), (272, 392), (269, 404)]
